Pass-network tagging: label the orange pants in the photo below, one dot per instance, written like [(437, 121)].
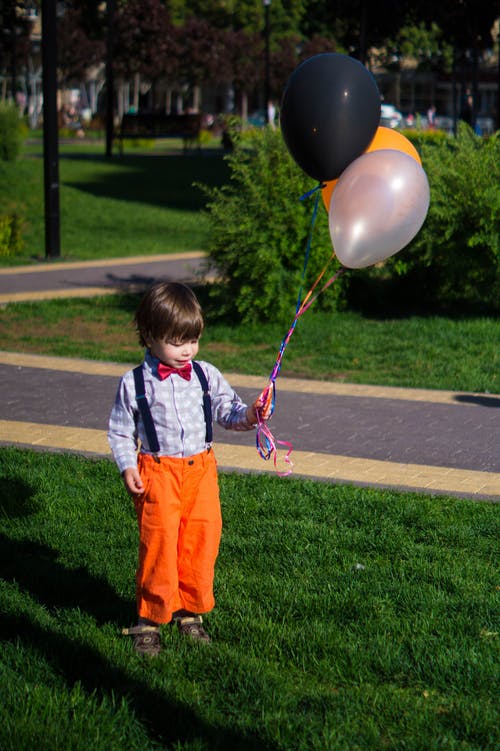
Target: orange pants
[(180, 527)]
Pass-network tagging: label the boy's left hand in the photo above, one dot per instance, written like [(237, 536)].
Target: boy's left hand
[(263, 405), (132, 481)]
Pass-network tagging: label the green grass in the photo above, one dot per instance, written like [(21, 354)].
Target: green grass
[(141, 204), (346, 618), (424, 352)]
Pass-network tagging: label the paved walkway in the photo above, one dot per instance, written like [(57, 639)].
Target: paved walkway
[(88, 279), (433, 441)]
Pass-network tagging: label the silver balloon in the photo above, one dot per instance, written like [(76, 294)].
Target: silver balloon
[(379, 204)]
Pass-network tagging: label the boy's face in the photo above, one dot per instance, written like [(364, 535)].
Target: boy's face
[(174, 354)]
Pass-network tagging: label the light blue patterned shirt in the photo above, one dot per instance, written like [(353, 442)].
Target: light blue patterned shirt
[(177, 410)]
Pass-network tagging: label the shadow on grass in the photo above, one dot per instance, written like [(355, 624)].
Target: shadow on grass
[(159, 180), (34, 568), (167, 720), (18, 501), (380, 298)]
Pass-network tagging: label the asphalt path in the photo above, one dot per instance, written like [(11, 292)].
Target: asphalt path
[(73, 279)]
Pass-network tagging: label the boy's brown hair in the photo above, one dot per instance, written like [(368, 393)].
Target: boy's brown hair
[(169, 311)]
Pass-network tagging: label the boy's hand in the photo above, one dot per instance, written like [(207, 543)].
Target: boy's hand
[(133, 482), (262, 407), (252, 415)]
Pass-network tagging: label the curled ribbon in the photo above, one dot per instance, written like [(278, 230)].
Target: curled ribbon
[(267, 447)]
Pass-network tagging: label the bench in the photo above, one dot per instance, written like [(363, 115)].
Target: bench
[(160, 125)]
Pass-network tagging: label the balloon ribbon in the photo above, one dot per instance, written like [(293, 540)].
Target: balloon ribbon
[(266, 444)]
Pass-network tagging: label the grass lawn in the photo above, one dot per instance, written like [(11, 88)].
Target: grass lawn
[(346, 618), (141, 204), (423, 352)]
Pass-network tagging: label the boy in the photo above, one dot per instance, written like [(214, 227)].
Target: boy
[(167, 405)]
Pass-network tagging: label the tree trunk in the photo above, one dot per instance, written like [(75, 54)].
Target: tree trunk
[(244, 106), (135, 97), (196, 98)]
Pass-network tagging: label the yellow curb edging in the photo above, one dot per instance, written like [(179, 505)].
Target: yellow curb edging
[(50, 294), (102, 263), (412, 477)]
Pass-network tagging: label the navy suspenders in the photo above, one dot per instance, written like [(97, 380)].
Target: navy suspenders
[(207, 402), (142, 403)]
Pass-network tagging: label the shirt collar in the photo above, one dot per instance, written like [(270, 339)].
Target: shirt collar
[(151, 361)]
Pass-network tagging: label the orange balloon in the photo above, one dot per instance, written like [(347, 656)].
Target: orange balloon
[(384, 138)]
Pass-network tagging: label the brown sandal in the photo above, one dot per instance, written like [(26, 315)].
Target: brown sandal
[(146, 639), (191, 626)]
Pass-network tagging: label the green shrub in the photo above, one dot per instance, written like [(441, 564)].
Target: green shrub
[(12, 132), (421, 138), (206, 137), (455, 258), (70, 133), (138, 143), (259, 232), (11, 241)]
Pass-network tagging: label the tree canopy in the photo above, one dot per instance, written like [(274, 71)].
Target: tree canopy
[(194, 41)]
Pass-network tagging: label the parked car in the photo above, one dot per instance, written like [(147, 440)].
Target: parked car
[(257, 118), (390, 117)]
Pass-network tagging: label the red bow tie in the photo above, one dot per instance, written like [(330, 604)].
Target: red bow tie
[(165, 370)]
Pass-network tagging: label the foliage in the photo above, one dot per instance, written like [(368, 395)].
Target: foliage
[(463, 23), (455, 258), (146, 41), (346, 618), (139, 144), (14, 41), (421, 138), (11, 241), (260, 230), (12, 132), (244, 15), (418, 42), (80, 39), (171, 39), (243, 48), (355, 24)]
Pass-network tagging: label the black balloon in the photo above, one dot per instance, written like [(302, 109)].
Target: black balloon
[(329, 113)]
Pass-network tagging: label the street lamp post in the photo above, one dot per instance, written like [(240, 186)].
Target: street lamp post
[(110, 80), (498, 82), (50, 130), (267, 3)]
